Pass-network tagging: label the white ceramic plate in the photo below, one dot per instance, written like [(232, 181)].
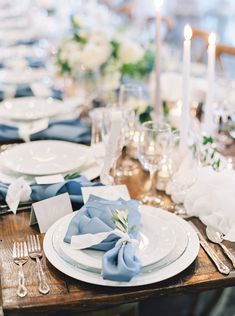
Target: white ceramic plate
[(31, 108), (90, 169), (180, 246), (44, 157), (155, 243), (167, 272), (24, 77), (21, 51)]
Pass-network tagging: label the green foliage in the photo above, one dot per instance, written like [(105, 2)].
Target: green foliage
[(140, 69), (114, 47), (207, 140), (146, 115), (71, 176), (120, 219), (165, 108), (79, 38)]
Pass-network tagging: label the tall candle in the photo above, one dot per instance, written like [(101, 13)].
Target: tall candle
[(185, 112), (158, 99), (208, 118)]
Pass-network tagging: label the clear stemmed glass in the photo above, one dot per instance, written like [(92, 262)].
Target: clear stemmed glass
[(131, 96), (154, 145), (183, 171), (130, 101), (97, 143), (107, 121)]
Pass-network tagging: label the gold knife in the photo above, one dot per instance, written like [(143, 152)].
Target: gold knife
[(222, 268)]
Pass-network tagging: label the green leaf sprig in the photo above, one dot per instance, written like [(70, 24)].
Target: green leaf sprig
[(72, 175), (120, 219)]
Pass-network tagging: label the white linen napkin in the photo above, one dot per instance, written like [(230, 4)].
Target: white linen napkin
[(211, 197), (18, 191)]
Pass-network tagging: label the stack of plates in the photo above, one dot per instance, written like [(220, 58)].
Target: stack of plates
[(24, 77), (167, 246), (46, 157), (31, 108)]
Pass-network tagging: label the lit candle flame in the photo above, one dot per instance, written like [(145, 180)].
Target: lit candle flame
[(188, 32), (158, 3), (212, 39)]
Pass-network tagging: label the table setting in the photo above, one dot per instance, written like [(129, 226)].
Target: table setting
[(114, 177)]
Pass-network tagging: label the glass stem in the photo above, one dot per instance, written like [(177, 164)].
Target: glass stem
[(152, 183)]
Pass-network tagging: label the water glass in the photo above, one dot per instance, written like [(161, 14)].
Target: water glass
[(154, 145)]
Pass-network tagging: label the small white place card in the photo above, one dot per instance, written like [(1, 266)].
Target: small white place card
[(112, 192), (52, 179), (48, 211)]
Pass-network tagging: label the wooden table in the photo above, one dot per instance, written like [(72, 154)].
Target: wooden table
[(69, 295)]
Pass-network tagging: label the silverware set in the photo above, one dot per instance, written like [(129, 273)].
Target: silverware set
[(215, 237), (21, 253)]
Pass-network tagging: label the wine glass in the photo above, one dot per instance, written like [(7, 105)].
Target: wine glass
[(131, 96), (113, 135), (183, 171), (154, 145), (97, 142), (131, 99)]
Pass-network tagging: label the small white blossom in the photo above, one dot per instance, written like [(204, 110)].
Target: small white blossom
[(130, 52)]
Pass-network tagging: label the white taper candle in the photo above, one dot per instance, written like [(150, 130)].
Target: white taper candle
[(185, 112), (208, 112), (158, 99)]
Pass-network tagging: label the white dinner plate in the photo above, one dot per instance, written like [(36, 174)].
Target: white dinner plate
[(90, 169), (153, 276), (21, 51), (44, 157), (31, 108), (155, 243), (180, 246), (23, 77)]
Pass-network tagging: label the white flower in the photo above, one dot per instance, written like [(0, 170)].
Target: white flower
[(111, 81), (95, 52), (130, 52)]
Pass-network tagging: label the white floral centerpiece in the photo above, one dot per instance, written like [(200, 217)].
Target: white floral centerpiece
[(97, 44)]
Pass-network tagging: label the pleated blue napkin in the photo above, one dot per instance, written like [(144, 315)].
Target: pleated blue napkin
[(42, 192), (69, 130), (119, 261)]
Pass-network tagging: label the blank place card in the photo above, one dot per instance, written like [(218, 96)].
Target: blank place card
[(112, 192), (48, 211), (52, 179)]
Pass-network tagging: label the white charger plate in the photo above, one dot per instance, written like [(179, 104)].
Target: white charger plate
[(44, 157), (152, 276), (31, 108), (155, 243), (180, 246)]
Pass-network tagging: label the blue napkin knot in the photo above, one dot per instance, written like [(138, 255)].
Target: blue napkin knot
[(97, 215)]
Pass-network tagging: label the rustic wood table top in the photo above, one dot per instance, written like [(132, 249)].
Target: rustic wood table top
[(69, 295)]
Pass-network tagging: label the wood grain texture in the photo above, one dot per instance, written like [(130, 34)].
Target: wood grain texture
[(68, 295)]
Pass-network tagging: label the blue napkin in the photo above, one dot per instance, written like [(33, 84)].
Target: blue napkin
[(69, 130), (42, 192), (23, 91), (119, 262), (26, 91)]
